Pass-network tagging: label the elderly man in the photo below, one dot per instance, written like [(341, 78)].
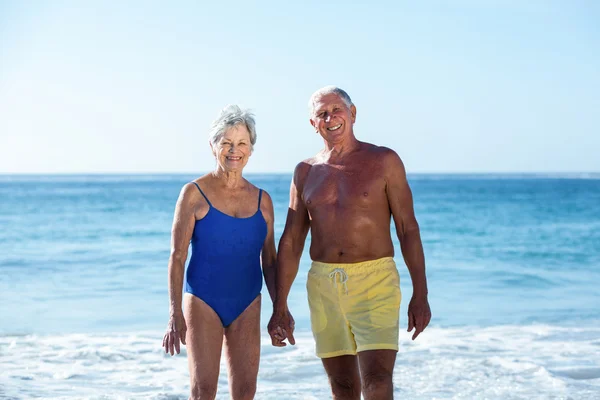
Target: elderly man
[(347, 195)]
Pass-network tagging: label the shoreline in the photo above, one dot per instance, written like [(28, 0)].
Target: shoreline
[(495, 363)]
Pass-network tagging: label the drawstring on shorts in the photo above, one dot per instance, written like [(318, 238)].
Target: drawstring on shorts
[(343, 278)]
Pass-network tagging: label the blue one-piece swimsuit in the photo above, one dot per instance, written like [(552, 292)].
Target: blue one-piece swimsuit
[(224, 270)]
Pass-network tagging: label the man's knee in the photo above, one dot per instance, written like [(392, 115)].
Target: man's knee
[(377, 380), (203, 391), (243, 390), (345, 387)]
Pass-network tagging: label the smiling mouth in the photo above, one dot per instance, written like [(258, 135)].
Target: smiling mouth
[(334, 128), (234, 158)]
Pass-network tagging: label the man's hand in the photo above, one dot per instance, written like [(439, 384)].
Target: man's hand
[(281, 327), (419, 315)]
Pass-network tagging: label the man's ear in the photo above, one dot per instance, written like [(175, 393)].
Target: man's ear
[(353, 113)]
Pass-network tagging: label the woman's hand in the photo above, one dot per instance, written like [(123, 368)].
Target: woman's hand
[(176, 330)]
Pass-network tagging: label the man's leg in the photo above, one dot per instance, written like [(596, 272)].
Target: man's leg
[(343, 377), (376, 371)]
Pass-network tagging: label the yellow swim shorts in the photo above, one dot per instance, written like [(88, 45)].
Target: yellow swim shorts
[(354, 307)]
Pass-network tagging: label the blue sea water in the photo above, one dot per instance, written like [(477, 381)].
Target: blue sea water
[(83, 259)]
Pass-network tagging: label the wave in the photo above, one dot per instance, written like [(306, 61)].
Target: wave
[(534, 361)]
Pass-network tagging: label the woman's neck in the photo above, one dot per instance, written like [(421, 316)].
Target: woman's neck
[(229, 179)]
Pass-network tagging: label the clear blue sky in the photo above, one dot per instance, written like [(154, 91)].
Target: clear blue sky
[(452, 86)]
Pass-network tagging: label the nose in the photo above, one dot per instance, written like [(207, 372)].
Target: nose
[(327, 118)]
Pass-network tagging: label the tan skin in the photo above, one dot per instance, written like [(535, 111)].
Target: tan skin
[(347, 195), (199, 327)]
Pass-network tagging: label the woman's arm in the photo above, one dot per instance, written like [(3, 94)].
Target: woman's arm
[(269, 254), (181, 234)]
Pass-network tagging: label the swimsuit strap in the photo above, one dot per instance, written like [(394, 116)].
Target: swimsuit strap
[(202, 193), (259, 197)]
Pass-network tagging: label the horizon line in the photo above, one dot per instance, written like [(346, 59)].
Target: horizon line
[(142, 173)]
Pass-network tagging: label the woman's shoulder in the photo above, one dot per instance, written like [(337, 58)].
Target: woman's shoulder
[(205, 179), (202, 183), (256, 189), (193, 190), (266, 202)]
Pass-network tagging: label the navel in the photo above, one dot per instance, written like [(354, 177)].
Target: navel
[(365, 194), (308, 201)]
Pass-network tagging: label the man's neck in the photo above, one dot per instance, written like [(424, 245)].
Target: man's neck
[(335, 153)]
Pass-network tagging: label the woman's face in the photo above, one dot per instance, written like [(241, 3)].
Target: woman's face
[(234, 149)]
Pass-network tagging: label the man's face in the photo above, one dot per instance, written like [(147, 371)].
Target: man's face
[(332, 118)]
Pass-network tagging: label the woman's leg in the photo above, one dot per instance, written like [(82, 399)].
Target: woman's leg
[(204, 342), (242, 349)]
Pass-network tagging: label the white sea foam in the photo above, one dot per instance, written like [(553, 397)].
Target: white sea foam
[(504, 362)]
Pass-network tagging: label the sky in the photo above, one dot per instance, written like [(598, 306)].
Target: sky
[(452, 86)]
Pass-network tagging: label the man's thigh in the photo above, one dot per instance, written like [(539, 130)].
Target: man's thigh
[(343, 375), (376, 363)]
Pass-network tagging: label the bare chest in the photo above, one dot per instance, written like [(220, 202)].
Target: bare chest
[(342, 187)]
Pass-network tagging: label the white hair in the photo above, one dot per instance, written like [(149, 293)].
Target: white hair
[(230, 116), (325, 91)]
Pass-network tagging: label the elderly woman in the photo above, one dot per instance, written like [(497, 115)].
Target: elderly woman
[(229, 222)]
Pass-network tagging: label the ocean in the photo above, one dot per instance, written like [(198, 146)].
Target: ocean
[(513, 265)]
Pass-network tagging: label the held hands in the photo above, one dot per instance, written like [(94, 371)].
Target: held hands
[(419, 314), (281, 327), (176, 331)]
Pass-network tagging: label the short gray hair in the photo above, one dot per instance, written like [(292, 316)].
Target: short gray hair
[(328, 90), (230, 116)]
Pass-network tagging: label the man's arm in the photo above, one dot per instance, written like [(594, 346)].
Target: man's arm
[(290, 249), (401, 205)]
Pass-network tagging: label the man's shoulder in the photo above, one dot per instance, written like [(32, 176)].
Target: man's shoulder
[(380, 152), (304, 165), (308, 162), (302, 169)]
